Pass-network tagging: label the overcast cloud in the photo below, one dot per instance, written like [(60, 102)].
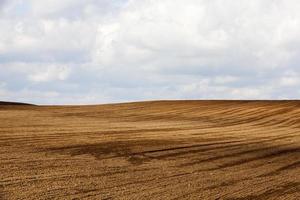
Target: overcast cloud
[(102, 51)]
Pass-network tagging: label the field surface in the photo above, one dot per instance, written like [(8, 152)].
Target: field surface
[(151, 150)]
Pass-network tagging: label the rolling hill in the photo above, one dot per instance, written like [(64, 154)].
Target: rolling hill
[(151, 150)]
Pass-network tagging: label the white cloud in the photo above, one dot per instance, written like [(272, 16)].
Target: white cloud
[(250, 93), (2, 89), (50, 73), (175, 34), (50, 6), (290, 78), (225, 79), (150, 49)]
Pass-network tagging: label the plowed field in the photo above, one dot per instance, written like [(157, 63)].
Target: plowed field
[(151, 150)]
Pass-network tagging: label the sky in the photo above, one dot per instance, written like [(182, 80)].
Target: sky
[(106, 51)]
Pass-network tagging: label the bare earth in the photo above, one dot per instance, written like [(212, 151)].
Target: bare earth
[(151, 150)]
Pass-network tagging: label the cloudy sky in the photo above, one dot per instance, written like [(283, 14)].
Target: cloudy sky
[(102, 51)]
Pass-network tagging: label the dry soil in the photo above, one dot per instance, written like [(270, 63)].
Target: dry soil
[(151, 150)]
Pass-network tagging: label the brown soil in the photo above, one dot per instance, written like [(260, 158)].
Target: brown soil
[(151, 150)]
